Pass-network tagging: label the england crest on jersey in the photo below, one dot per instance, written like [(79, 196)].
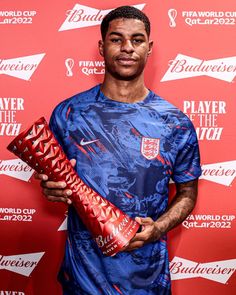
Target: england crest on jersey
[(150, 147)]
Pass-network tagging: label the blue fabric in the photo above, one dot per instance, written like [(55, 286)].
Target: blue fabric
[(127, 153)]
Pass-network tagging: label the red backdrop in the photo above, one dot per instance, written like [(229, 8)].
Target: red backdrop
[(48, 53)]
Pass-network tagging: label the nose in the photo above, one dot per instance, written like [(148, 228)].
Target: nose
[(127, 46)]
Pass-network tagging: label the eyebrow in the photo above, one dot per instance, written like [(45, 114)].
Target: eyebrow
[(133, 35)]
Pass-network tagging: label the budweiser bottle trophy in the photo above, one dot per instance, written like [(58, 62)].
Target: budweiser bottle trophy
[(111, 228)]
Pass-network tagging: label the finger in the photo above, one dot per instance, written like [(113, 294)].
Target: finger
[(68, 201), (40, 176), (57, 192), (142, 236), (53, 184), (134, 245), (73, 162), (138, 219), (58, 199), (146, 220)]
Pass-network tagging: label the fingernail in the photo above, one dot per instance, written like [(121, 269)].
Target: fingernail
[(69, 193), (63, 184)]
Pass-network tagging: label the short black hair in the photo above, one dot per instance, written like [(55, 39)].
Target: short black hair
[(124, 12)]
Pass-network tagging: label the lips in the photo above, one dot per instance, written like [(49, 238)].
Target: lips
[(126, 60)]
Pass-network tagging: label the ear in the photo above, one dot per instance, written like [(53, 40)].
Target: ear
[(101, 47), (150, 47)]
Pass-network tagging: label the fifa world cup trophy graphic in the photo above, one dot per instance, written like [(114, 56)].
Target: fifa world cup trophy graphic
[(111, 228)]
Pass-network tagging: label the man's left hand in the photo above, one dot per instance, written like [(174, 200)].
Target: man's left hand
[(150, 233)]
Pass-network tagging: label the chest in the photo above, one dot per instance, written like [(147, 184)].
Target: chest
[(125, 137)]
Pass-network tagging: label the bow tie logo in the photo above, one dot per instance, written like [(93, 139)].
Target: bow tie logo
[(22, 264), (184, 66), (218, 271), (21, 67), (81, 16), (16, 168)]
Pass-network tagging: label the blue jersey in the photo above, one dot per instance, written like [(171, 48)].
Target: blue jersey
[(127, 152)]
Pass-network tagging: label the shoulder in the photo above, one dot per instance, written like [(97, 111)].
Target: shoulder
[(75, 102), (170, 113)]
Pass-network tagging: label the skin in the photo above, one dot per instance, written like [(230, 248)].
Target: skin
[(125, 50)]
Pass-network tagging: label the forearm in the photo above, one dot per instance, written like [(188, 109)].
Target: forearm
[(181, 206)]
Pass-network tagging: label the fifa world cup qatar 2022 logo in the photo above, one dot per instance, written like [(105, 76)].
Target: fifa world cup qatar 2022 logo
[(111, 228), (172, 13)]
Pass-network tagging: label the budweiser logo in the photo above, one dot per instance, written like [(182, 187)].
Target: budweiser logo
[(84, 16), (222, 173), (218, 271), (16, 168), (184, 66), (22, 264), (115, 231), (21, 67)]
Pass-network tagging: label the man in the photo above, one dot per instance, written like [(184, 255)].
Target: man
[(127, 143)]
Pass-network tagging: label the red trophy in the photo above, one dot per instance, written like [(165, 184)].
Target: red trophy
[(111, 228)]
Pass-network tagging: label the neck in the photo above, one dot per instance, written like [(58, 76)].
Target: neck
[(124, 91)]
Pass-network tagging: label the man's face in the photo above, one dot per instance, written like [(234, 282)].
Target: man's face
[(125, 48)]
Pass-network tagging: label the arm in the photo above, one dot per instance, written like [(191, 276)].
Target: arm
[(181, 206)]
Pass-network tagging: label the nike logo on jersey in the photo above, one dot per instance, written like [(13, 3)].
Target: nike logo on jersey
[(83, 143)]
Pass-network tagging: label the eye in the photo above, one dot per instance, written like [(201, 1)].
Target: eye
[(115, 40), (137, 41)]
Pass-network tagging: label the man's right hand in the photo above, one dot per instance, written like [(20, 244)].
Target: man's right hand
[(55, 191)]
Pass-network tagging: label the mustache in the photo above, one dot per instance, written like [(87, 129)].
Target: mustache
[(125, 57)]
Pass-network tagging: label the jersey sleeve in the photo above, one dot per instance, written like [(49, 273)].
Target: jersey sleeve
[(187, 164), (54, 127), (59, 127)]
